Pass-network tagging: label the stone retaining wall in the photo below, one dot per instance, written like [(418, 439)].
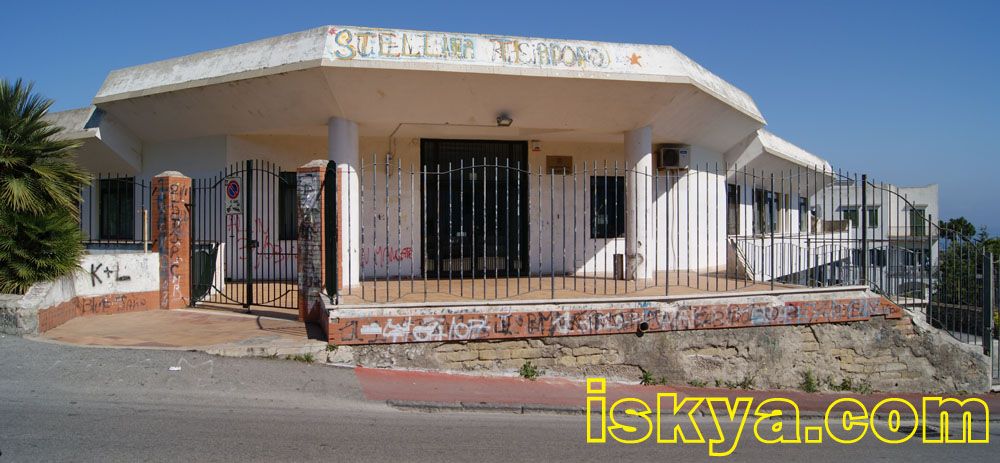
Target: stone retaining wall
[(877, 355)]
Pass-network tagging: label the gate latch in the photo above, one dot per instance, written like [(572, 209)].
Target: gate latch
[(253, 244)]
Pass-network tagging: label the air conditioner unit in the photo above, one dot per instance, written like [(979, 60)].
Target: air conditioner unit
[(673, 157)]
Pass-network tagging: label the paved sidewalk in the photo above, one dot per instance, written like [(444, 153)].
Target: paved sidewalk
[(448, 392), (212, 331)]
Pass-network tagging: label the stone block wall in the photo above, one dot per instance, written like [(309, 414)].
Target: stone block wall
[(880, 355)]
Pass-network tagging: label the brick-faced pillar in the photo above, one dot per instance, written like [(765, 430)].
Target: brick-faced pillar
[(172, 237), (309, 186)]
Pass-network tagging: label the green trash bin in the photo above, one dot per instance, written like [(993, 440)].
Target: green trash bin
[(203, 256)]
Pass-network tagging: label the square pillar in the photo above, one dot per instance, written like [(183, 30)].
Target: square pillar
[(310, 246), (172, 237)]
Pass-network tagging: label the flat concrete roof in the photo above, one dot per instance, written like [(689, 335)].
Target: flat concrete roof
[(357, 47)]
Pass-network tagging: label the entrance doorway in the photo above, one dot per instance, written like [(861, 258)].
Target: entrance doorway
[(476, 208)]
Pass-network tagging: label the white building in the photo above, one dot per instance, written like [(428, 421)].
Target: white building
[(570, 132)]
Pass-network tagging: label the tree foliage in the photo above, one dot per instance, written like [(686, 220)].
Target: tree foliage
[(961, 262), (957, 228), (39, 192)]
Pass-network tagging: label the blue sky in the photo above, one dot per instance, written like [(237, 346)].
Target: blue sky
[(905, 91)]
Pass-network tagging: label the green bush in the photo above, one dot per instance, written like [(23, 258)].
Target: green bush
[(37, 248), (529, 371), (809, 382)]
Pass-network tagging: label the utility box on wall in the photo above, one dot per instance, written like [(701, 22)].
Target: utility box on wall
[(673, 156), (559, 164)]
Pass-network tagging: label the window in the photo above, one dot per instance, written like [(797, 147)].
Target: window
[(918, 222), (766, 214), (607, 207), (872, 217), (852, 215), (287, 207), (116, 208), (732, 209), (803, 214), (877, 257)]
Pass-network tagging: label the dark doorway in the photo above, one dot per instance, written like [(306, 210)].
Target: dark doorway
[(476, 208)]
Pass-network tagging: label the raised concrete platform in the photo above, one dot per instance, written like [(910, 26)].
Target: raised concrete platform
[(214, 332)]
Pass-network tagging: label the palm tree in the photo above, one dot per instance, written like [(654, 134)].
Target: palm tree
[(39, 192)]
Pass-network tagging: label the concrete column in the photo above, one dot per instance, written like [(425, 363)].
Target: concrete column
[(172, 237), (311, 240), (639, 200), (342, 146)]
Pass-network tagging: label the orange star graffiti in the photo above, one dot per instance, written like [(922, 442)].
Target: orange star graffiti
[(634, 59)]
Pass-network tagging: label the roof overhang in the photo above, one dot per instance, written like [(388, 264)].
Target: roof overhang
[(410, 82), (106, 145)]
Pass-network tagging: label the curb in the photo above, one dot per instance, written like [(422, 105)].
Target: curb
[(234, 350), (488, 407), (527, 409)]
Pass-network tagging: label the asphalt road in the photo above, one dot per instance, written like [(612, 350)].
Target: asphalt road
[(65, 403)]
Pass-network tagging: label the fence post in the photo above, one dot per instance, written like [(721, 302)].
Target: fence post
[(172, 237), (930, 266), (864, 228), (332, 223), (309, 186), (988, 284)]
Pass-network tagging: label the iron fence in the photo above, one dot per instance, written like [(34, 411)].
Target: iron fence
[(498, 228), (486, 228)]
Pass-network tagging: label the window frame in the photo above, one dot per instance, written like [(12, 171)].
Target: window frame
[(288, 199), (119, 199), (606, 198)]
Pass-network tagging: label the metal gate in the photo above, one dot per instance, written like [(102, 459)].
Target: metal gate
[(243, 237)]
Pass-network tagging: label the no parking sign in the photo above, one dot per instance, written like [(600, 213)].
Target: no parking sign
[(234, 196)]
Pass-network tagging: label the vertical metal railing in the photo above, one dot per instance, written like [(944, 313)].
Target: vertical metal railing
[(246, 258), (114, 213)]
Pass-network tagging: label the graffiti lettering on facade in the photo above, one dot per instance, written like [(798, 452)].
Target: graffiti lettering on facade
[(540, 53), (117, 303), (109, 275), (382, 256), (267, 250), (397, 44), (310, 260), (464, 327), (349, 44), (173, 217)]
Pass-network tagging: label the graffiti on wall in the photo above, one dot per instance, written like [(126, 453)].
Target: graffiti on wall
[(269, 248), (99, 273), (310, 276), (173, 218), (465, 327), (113, 303), (382, 44), (383, 256)]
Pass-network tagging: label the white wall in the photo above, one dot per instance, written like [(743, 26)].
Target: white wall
[(118, 273), (688, 200)]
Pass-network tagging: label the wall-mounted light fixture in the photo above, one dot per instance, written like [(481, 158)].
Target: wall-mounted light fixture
[(504, 120)]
